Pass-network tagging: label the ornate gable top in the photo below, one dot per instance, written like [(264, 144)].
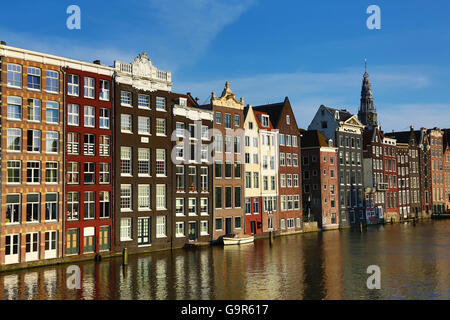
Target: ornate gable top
[(227, 99)]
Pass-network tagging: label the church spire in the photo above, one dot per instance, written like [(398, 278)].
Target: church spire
[(367, 113)]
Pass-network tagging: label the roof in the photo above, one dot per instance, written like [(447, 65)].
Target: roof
[(401, 137), (344, 114), (274, 111), (258, 116), (446, 142), (313, 138)]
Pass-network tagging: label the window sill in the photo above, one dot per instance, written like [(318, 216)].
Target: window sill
[(127, 239)]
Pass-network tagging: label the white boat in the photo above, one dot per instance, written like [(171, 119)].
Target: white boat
[(235, 239)]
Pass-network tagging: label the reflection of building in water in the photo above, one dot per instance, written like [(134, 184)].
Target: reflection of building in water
[(31, 285), (10, 287), (332, 265), (50, 283)]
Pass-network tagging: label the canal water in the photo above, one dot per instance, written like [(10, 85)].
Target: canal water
[(414, 262)]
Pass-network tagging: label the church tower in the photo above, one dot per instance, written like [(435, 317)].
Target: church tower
[(367, 113)]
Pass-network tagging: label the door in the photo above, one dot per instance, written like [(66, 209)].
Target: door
[(253, 227), (104, 238), (192, 231), (32, 246), (11, 248), (228, 225), (72, 241), (50, 244)]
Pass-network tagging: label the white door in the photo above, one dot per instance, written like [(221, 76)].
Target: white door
[(32, 246), (50, 244), (12, 248)]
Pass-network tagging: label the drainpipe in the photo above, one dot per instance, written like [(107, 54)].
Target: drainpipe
[(63, 180)]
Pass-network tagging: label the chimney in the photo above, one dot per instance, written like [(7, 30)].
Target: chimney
[(411, 127), (97, 62), (197, 99), (3, 43)]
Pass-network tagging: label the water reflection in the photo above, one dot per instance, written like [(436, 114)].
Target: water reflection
[(414, 262)]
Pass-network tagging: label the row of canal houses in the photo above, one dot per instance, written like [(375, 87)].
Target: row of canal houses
[(96, 159)]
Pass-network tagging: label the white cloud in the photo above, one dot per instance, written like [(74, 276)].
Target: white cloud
[(308, 90)]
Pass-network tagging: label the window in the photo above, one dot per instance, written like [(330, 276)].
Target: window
[(14, 108), (104, 90), (13, 207), (227, 144), (288, 140), (203, 228), (13, 169), (204, 206), (104, 146), (51, 207), (179, 229), (52, 112), (144, 197), (144, 162), (89, 87), (265, 121), (104, 119), (34, 141), (34, 110), (52, 142), (288, 159), (73, 85), (205, 133), (227, 120), (161, 226), (73, 114), (33, 172), (218, 197), (237, 120), (51, 172), (89, 205), (125, 98), (256, 179), (237, 197), (161, 203), (192, 206), (160, 104), (105, 205), (33, 207), (160, 127), (144, 125), (125, 161), (294, 141), (218, 224), (237, 145), (14, 75), (125, 229), (248, 180), (228, 197), (34, 78), (218, 143), (282, 159), (204, 185), (218, 118), (228, 171), (72, 172), (73, 143), (160, 162), (218, 169), (89, 173), (143, 101), (179, 207), (89, 144), (237, 170), (192, 176), (125, 197), (126, 123), (237, 222)]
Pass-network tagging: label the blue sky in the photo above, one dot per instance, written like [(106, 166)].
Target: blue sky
[(311, 51)]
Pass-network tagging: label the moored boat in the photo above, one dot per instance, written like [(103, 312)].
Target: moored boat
[(237, 239)]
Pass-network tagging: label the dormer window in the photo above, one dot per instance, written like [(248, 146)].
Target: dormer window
[(336, 115), (265, 121), (288, 120), (250, 125), (182, 102)]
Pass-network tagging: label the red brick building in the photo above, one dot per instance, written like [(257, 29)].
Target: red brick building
[(89, 209), (319, 169), (283, 119), (446, 160), (390, 178), (437, 170)]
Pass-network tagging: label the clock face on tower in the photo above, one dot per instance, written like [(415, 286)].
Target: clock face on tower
[(370, 117)]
